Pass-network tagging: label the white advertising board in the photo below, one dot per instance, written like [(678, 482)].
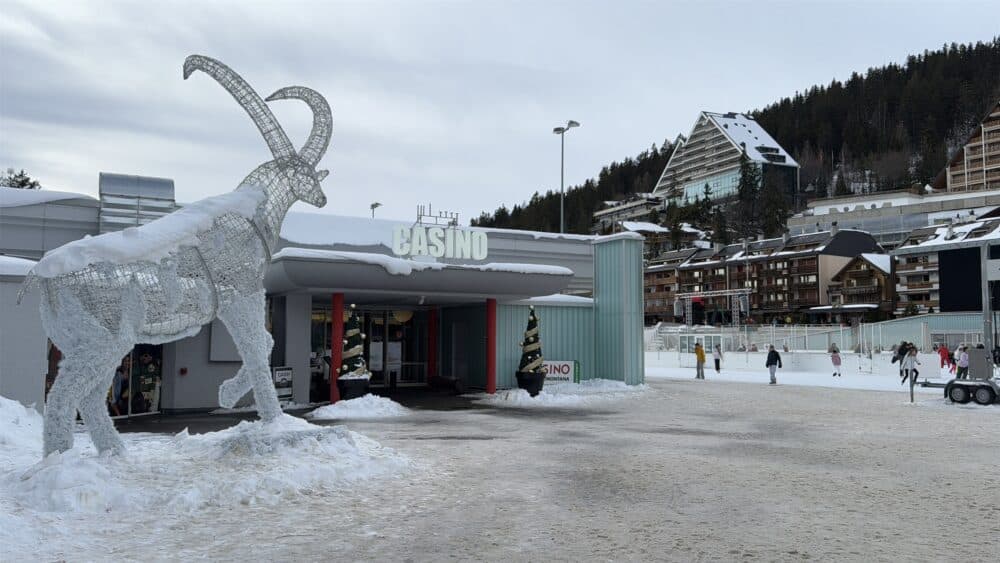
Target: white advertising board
[(556, 370)]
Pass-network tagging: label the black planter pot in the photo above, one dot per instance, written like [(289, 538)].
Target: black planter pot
[(352, 388), (530, 381)]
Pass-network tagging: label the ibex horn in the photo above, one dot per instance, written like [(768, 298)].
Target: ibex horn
[(262, 117), (319, 138)]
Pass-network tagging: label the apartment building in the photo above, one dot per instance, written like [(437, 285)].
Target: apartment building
[(710, 156), (788, 276), (938, 269), (975, 166), (660, 286)]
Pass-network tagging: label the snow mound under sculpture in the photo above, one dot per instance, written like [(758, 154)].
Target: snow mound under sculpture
[(252, 463), (162, 281)]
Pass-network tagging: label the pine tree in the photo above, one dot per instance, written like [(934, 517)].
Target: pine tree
[(747, 194), (353, 361), (720, 230), (821, 187), (842, 188), (773, 205), (19, 180), (531, 346)]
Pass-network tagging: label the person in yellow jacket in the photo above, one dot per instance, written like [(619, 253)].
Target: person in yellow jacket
[(699, 355)]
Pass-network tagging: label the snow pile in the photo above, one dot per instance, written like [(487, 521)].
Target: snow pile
[(368, 406), (251, 463), (563, 394), (152, 241)]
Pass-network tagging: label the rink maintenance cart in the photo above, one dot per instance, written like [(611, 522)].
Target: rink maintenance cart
[(982, 390)]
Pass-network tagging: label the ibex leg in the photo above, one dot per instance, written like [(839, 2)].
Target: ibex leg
[(94, 410), (233, 388), (243, 315), (74, 380)]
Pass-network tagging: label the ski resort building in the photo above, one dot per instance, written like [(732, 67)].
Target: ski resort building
[(710, 157), (637, 207), (440, 304)]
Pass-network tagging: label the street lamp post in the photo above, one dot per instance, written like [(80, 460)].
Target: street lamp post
[(561, 131), (373, 206)]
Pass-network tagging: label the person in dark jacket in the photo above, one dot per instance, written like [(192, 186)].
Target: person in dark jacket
[(773, 362)]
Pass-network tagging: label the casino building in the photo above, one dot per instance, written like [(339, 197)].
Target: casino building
[(440, 304)]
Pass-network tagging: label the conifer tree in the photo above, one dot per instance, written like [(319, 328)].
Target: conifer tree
[(353, 366), (531, 346), (747, 194), (720, 228), (773, 205)]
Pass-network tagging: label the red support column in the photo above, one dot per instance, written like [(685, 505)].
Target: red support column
[(491, 345), (432, 344), (336, 343)]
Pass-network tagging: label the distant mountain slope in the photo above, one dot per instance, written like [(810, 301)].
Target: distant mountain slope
[(893, 126)]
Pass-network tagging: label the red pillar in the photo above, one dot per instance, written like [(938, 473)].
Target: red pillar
[(491, 345), (336, 343), (432, 344)]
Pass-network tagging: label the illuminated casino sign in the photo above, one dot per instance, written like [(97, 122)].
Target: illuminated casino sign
[(439, 242)]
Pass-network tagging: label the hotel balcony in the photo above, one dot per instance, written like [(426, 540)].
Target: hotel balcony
[(916, 286), (918, 267)]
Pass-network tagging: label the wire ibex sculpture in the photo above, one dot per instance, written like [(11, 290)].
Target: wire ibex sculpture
[(162, 281)]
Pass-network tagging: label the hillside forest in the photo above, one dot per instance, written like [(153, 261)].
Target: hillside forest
[(891, 127)]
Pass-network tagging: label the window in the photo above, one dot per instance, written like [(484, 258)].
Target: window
[(994, 252)]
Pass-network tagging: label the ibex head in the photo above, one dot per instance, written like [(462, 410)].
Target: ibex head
[(295, 171)]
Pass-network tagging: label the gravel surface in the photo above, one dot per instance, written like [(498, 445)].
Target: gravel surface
[(688, 471)]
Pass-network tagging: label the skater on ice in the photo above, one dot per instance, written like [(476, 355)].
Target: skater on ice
[(773, 362), (835, 359), (717, 358), (699, 356)]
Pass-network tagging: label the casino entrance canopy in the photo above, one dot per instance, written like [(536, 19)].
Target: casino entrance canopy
[(368, 278)]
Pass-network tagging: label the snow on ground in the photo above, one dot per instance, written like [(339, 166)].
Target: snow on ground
[(368, 406), (863, 381), (251, 463), (942, 403), (253, 408), (562, 394)]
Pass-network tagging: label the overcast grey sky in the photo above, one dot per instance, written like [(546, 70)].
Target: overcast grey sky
[(450, 103)]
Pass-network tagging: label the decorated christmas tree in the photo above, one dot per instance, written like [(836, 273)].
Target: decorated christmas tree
[(531, 347), (353, 366)]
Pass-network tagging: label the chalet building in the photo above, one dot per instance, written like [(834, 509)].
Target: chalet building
[(637, 207), (864, 289), (660, 286), (710, 156), (788, 276), (938, 269), (975, 166)]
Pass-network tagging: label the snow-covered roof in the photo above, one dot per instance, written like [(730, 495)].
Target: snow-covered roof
[(325, 229), (152, 241), (881, 261), (643, 227), (17, 197), (12, 266), (616, 236), (743, 130), (402, 267), (556, 300), (858, 306)]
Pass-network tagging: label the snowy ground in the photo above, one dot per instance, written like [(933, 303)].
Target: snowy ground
[(592, 392), (684, 471)]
